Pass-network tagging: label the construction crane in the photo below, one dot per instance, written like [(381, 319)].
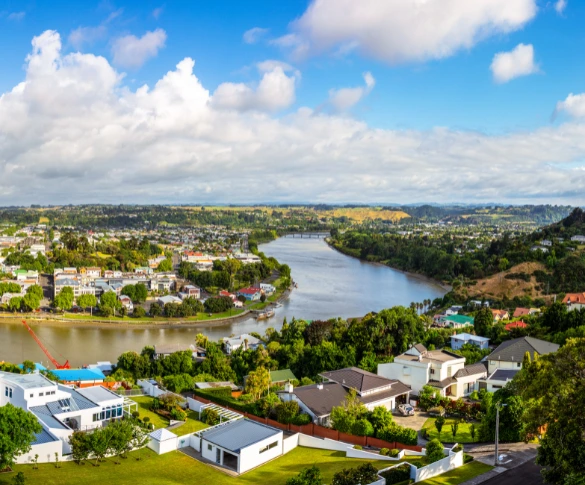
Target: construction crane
[(44, 349)]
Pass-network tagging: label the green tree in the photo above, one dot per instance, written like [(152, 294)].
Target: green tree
[(87, 301), (140, 293), (454, 429), (483, 321), (64, 300), (553, 389), (439, 423), (381, 418), (109, 303), (80, 442), (434, 451), (344, 417), (258, 382), (155, 310), (139, 312), (307, 476), (28, 366), (15, 303), (19, 479), (18, 429), (129, 291), (165, 265)]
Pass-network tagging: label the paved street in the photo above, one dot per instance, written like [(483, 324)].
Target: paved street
[(526, 474)]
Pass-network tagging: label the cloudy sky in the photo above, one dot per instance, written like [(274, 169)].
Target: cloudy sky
[(394, 101)]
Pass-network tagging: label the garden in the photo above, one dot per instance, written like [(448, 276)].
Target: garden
[(451, 430)]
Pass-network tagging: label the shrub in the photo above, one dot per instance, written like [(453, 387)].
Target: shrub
[(358, 447), (363, 474), (458, 448), (474, 396), (397, 474), (146, 420), (434, 451), (210, 417), (178, 414), (135, 414), (384, 451), (362, 427), (467, 458), (394, 453), (437, 411), (394, 432)]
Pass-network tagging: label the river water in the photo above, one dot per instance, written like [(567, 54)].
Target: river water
[(330, 284)]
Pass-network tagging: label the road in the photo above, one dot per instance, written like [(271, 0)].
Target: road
[(527, 474)]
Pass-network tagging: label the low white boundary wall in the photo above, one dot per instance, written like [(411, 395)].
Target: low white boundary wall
[(454, 460)]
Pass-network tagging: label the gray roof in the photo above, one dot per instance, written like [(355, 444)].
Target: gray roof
[(163, 434), (444, 383), (27, 381), (472, 369), (322, 401), (98, 394), (358, 379), (420, 347), (514, 350), (43, 437), (239, 434), (503, 375), (44, 414)]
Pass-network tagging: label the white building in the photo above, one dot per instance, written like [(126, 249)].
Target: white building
[(267, 288), (234, 343), (240, 445), (59, 409), (497, 379), (162, 441), (579, 239), (510, 354)]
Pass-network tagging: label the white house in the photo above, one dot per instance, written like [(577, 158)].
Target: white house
[(579, 239), (446, 371), (162, 441), (267, 288), (163, 300), (234, 343), (497, 379), (460, 339), (240, 445), (574, 301), (318, 400), (510, 354), (59, 409)]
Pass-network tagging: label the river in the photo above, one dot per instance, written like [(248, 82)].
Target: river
[(330, 284)]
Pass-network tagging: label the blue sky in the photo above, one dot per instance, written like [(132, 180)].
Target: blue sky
[(430, 85)]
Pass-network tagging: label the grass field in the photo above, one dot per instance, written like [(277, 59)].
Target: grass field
[(177, 468), (191, 425), (199, 317), (463, 433), (459, 475)]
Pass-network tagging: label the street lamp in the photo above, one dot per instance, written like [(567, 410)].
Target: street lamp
[(498, 406)]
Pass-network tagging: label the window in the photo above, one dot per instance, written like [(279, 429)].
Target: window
[(269, 447), (41, 394), (209, 447), (96, 417), (108, 413), (32, 395), (496, 387), (119, 412), (518, 364), (8, 392), (432, 371)]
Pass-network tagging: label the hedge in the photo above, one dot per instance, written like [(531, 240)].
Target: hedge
[(394, 432), (400, 473), (223, 401)]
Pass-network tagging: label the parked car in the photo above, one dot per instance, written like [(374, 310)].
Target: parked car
[(406, 410)]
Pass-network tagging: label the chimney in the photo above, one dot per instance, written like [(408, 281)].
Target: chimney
[(288, 387), (320, 386)]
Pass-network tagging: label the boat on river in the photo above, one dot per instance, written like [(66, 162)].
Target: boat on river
[(263, 315)]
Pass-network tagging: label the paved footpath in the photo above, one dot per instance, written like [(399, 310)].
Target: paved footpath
[(515, 458)]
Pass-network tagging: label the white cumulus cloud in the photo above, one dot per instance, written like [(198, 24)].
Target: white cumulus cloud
[(275, 91), (345, 98), (16, 16), (132, 51), (254, 35), (560, 6), (518, 62), (71, 131), (573, 104), (398, 31)]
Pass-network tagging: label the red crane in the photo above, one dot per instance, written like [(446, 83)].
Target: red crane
[(44, 349)]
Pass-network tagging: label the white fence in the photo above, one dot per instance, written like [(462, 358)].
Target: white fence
[(450, 462)]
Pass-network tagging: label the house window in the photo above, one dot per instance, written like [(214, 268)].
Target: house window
[(209, 447), (518, 364), (41, 394), (432, 371), (96, 417), (32, 395), (496, 387), (269, 447)]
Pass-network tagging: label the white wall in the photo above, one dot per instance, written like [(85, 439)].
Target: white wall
[(413, 374), (498, 364), (454, 460), (46, 452), (366, 455), (322, 444), (154, 445), (290, 443), (161, 447), (194, 405), (251, 457)]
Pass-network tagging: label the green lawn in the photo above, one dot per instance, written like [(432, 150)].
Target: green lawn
[(177, 468), (459, 475), (192, 424), (127, 319), (463, 433)]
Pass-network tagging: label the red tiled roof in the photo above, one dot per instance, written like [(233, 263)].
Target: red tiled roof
[(574, 298), (249, 291), (520, 312), (512, 325)]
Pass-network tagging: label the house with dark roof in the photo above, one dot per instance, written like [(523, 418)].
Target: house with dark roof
[(240, 445), (497, 379), (318, 400), (444, 370), (510, 354)]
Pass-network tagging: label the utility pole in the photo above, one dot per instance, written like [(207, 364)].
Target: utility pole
[(496, 459)]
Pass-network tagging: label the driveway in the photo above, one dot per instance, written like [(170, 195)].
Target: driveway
[(414, 422)]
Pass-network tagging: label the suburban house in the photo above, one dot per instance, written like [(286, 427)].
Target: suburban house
[(510, 354), (163, 300), (460, 339), (579, 239), (240, 445), (512, 325), (164, 350), (80, 377), (250, 293), (281, 376), (574, 301), (521, 312), (268, 289), (500, 315), (191, 291), (497, 379), (453, 310), (126, 302), (318, 400), (247, 341), (456, 321), (60, 410), (446, 371)]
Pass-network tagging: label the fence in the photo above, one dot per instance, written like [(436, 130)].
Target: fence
[(130, 392), (322, 432)]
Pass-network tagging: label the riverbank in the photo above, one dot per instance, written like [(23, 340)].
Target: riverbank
[(444, 286), (86, 321)]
